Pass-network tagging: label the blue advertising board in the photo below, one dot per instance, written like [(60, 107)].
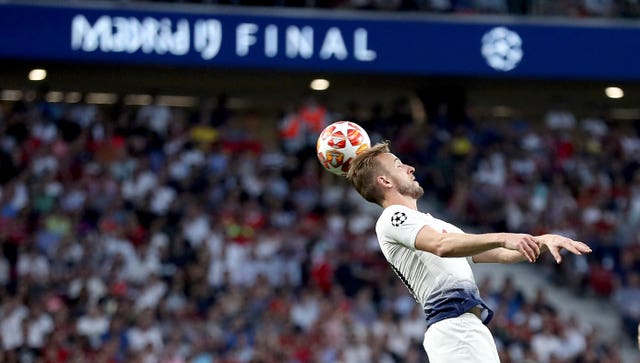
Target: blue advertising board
[(321, 41)]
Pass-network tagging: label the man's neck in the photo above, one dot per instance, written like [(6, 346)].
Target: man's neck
[(398, 199)]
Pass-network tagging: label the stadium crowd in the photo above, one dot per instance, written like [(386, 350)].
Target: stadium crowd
[(158, 234), (560, 8)]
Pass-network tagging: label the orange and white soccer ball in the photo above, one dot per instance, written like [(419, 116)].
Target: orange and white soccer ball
[(339, 143)]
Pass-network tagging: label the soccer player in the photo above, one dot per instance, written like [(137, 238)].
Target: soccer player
[(432, 257)]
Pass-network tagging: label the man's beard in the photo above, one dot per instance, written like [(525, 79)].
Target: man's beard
[(411, 190)]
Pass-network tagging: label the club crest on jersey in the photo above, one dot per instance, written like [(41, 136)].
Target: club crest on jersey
[(398, 218)]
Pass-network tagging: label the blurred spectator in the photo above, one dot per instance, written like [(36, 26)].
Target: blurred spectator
[(93, 325), (38, 325), (145, 337), (627, 301), (300, 126)]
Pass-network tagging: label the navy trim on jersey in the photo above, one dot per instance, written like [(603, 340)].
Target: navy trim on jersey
[(454, 303)]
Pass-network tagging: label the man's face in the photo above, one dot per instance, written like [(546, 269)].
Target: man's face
[(401, 176)]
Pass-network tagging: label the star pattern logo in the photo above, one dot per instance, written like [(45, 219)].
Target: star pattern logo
[(398, 218), (502, 49)]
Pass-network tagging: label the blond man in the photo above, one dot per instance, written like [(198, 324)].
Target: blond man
[(432, 257)]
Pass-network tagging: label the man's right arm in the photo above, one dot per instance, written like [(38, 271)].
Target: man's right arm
[(466, 244)]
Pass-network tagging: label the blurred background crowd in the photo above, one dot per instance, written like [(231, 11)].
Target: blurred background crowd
[(161, 234), (562, 8)]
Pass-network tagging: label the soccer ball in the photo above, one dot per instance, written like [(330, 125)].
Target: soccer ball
[(339, 143)]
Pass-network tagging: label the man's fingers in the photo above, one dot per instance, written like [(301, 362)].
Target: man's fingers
[(529, 251), (556, 243), (577, 248), (536, 248), (556, 254), (530, 254), (582, 247), (523, 249), (572, 248)]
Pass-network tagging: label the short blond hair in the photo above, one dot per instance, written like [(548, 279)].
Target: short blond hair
[(363, 172)]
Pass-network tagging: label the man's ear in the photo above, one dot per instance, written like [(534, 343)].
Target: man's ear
[(384, 181)]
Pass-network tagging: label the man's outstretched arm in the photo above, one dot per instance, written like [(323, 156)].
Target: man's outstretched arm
[(467, 244), (547, 242)]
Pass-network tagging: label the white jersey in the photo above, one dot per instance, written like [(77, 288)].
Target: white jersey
[(445, 287)]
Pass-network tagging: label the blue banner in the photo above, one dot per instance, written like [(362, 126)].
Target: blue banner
[(321, 41)]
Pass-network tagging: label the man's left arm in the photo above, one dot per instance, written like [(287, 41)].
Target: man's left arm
[(548, 242), (499, 255)]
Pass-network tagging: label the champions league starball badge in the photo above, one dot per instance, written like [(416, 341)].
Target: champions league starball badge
[(398, 218), (502, 49)]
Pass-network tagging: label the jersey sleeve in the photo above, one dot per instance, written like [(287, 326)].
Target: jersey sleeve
[(400, 225)]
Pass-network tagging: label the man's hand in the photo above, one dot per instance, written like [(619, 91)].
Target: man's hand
[(523, 243), (554, 243)]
